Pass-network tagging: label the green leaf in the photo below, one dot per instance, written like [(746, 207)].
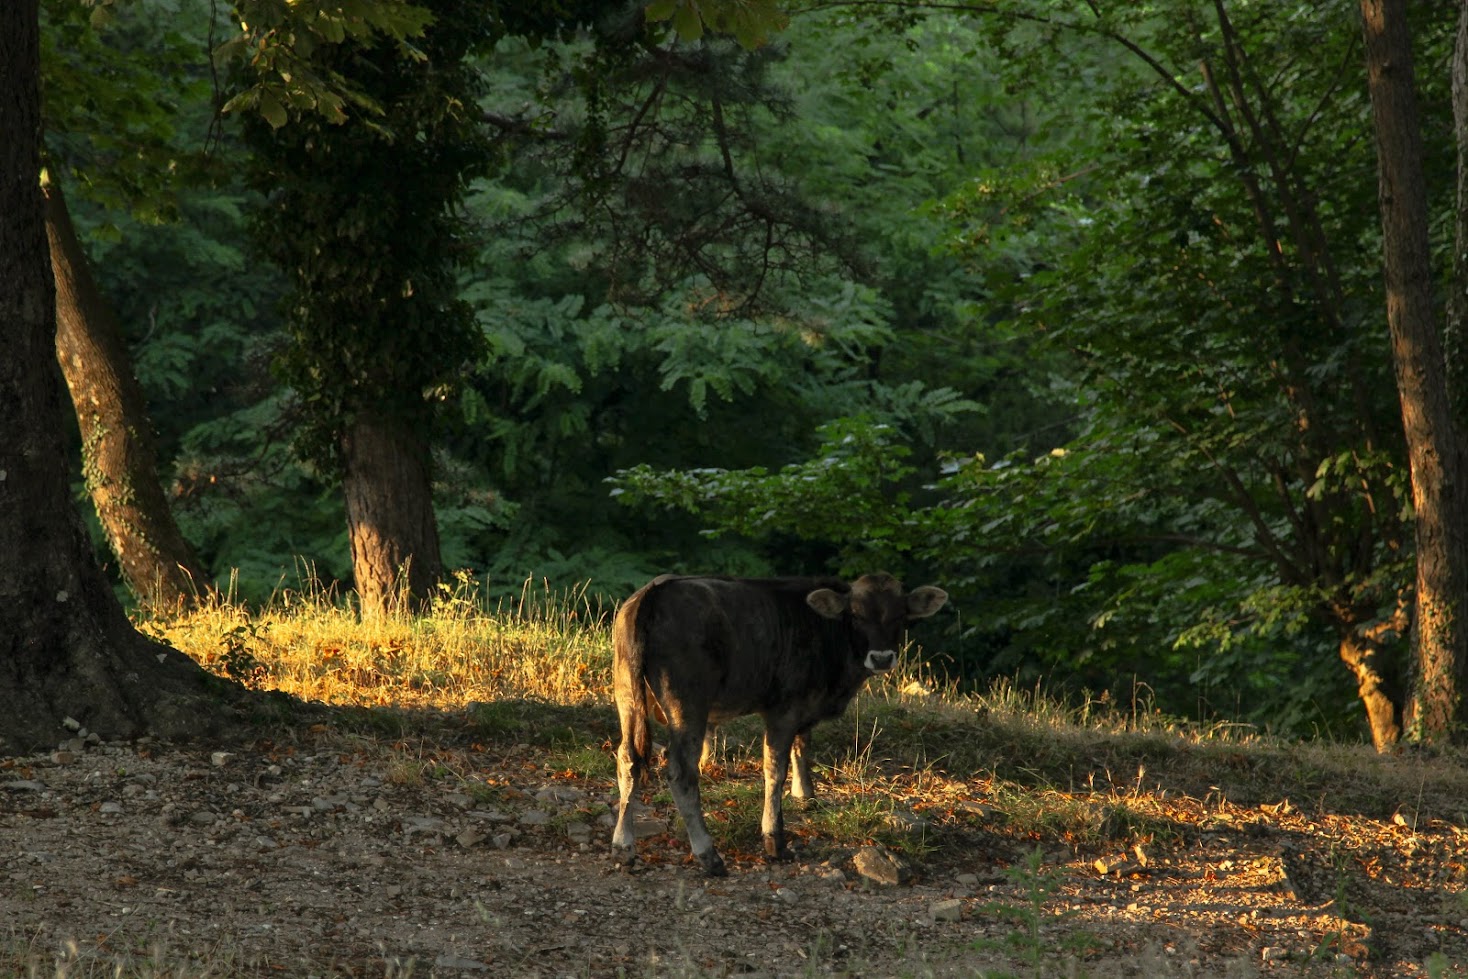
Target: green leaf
[(271, 109)]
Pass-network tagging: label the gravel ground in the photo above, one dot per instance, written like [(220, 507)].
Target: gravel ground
[(335, 854)]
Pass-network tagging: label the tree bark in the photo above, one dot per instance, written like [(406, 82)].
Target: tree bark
[(396, 559), (1440, 632), (66, 648), (1455, 336), (1372, 664), (119, 458)]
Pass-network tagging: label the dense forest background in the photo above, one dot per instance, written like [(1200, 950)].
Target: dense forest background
[(1079, 315)]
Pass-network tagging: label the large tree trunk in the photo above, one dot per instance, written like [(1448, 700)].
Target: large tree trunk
[(1440, 634), (1455, 336), (119, 458), (394, 536), (66, 649)]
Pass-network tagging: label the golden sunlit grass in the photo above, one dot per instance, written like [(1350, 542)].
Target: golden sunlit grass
[(541, 646)]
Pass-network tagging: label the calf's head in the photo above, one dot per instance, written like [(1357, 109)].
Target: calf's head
[(879, 612)]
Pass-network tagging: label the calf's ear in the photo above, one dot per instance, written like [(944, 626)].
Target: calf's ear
[(828, 603), (924, 601)]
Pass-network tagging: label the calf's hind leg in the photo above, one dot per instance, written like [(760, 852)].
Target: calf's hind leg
[(630, 765), (802, 786), (685, 743), (778, 739)]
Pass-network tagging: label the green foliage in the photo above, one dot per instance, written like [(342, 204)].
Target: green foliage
[(114, 85), (361, 218), (280, 45), (1234, 490), (748, 20)]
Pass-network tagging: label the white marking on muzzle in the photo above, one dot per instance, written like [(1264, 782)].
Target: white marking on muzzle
[(881, 660)]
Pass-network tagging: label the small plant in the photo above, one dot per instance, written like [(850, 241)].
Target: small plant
[(1439, 966), (238, 659), (1037, 885)]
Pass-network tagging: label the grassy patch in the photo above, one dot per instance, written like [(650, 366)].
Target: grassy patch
[(536, 670)]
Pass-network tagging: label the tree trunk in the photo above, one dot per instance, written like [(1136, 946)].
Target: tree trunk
[(394, 536), (119, 458), (1370, 662), (1455, 336), (66, 649), (1440, 634)]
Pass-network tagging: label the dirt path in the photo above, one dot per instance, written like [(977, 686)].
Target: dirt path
[(338, 855)]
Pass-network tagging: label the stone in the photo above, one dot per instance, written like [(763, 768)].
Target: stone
[(882, 866), (534, 817), (459, 962), (949, 910), (559, 793)]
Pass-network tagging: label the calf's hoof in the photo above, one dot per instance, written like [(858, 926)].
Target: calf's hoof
[(624, 857), (776, 851), (713, 864)]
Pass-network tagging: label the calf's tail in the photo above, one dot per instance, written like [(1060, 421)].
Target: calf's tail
[(629, 680)]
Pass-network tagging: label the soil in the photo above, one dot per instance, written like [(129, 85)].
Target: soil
[(322, 852)]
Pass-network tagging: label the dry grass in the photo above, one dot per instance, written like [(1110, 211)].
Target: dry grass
[(554, 650), (542, 646)]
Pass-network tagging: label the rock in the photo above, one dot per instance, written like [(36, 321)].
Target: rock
[(882, 866), (534, 817), (23, 785), (422, 824), (967, 880), (906, 822), (470, 837), (204, 818), (110, 808), (62, 758), (559, 793), (950, 910), (459, 962)]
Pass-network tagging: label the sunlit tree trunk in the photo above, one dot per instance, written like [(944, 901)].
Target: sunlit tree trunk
[(389, 499), (1369, 656), (66, 649), (119, 459), (1436, 455)]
